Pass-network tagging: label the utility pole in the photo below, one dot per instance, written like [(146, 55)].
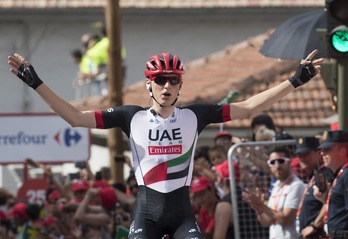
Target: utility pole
[(115, 85)]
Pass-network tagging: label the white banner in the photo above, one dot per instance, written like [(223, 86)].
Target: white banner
[(43, 137)]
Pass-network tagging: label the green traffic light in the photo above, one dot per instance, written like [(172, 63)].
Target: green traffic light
[(339, 39)]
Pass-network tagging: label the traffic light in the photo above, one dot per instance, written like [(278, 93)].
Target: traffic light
[(337, 28)]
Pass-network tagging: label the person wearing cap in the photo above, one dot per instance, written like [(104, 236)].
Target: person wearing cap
[(334, 151), (17, 215), (308, 213), (205, 197), (163, 136), (79, 188), (280, 212), (224, 139)]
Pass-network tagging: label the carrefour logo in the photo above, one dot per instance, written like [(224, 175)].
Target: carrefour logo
[(68, 137), (22, 138)]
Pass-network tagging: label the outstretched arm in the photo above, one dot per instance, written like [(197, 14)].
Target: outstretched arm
[(257, 103), (76, 118)]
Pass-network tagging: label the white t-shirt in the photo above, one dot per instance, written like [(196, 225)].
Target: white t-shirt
[(285, 195)]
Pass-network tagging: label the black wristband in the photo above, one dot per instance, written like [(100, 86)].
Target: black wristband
[(28, 75)]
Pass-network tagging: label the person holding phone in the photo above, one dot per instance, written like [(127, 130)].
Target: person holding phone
[(334, 151), (163, 137), (311, 224)]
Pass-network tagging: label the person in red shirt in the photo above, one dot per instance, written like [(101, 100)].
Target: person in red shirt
[(204, 195)]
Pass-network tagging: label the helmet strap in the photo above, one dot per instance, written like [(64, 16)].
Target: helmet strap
[(153, 97), (148, 86)]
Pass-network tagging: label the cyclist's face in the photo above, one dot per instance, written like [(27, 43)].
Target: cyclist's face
[(165, 88)]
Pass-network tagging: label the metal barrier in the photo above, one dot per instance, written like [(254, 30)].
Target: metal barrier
[(233, 183), (90, 87)]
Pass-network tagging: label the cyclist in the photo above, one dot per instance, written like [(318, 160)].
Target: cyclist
[(163, 137)]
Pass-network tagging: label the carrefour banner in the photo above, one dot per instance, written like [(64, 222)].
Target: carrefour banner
[(43, 137)]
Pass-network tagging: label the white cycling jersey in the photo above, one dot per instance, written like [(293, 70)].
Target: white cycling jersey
[(162, 149)]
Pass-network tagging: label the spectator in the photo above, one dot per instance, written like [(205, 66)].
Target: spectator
[(202, 153), (204, 195), (132, 185), (86, 66), (202, 163), (100, 184), (258, 179), (261, 120), (280, 212), (31, 228), (295, 161), (224, 139), (311, 222), (248, 223), (4, 196), (217, 155), (88, 40), (334, 151), (99, 53), (5, 226), (79, 188), (123, 220), (18, 216), (106, 174), (98, 216)]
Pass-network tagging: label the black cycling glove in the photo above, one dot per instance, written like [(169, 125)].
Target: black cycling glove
[(28, 75), (303, 74)]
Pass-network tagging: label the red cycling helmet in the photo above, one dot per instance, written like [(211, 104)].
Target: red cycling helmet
[(163, 63)]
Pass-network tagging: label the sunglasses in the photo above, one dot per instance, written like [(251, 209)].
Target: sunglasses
[(279, 161), (162, 80)]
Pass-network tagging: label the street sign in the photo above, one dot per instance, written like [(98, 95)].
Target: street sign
[(43, 137)]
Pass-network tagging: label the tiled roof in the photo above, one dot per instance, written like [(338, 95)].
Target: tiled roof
[(242, 68), (159, 3)]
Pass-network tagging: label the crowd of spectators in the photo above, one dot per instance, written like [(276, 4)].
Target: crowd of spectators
[(86, 207)]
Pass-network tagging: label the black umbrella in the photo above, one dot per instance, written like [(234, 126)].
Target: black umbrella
[(297, 37)]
